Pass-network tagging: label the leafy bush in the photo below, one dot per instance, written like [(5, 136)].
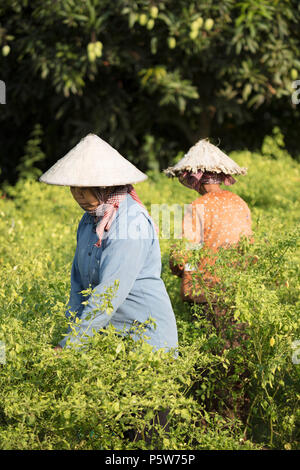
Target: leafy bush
[(242, 397)]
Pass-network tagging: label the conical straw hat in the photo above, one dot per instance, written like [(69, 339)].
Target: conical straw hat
[(92, 162), (206, 157)]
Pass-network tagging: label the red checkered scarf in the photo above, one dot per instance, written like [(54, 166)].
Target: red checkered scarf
[(110, 199)]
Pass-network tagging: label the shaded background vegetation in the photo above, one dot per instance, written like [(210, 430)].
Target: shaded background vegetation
[(150, 77)]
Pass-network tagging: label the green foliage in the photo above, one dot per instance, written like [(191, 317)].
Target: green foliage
[(124, 72), (242, 397), (33, 154)]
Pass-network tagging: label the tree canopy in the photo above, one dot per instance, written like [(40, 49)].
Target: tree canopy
[(151, 77)]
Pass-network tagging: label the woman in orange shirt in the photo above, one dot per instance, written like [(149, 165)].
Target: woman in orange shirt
[(222, 217), (219, 218)]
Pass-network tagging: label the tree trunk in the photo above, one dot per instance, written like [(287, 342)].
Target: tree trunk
[(206, 118)]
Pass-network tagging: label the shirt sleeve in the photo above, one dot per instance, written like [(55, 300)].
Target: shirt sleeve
[(121, 260), (193, 230), (193, 223), (76, 298)]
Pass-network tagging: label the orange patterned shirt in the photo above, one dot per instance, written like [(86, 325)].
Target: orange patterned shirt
[(217, 219)]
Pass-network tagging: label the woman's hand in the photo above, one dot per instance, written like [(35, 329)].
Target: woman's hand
[(175, 262), (58, 348)]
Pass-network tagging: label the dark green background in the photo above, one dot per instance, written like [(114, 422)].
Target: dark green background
[(231, 83)]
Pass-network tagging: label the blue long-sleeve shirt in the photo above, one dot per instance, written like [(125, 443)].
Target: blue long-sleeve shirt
[(129, 254)]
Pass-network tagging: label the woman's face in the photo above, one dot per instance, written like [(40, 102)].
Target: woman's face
[(84, 197)]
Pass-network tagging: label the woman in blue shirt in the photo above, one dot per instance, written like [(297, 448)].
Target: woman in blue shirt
[(116, 242), (129, 254)]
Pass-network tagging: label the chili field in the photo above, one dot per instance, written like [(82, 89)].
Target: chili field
[(244, 397)]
